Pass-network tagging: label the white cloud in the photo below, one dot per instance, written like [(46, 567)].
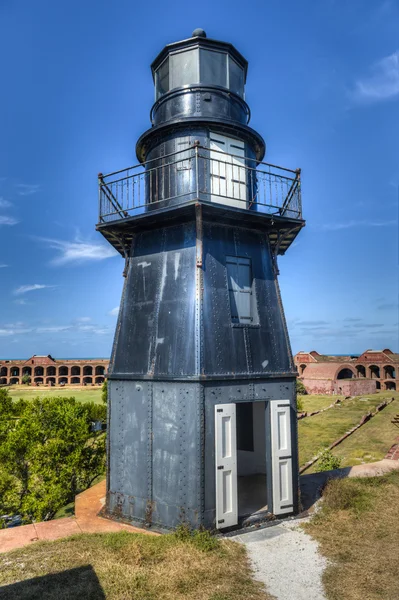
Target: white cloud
[(356, 223), (3, 266), (382, 83), (13, 331), (54, 329), (26, 189), (20, 301), (83, 319), (4, 220), (114, 312), (79, 251), (29, 288), (4, 203)]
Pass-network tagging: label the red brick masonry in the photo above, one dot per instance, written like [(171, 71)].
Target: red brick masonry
[(46, 370), (348, 375)]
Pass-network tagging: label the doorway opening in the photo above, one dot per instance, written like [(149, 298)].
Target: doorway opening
[(251, 460)]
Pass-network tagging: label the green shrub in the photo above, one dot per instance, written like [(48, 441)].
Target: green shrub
[(300, 388), (299, 404), (328, 462), (200, 538)]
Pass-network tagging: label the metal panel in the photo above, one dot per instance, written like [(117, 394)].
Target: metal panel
[(156, 326), (236, 348), (128, 434), (176, 473), (226, 466)]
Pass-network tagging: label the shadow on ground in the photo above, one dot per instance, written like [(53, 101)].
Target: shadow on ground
[(72, 584), (312, 485)]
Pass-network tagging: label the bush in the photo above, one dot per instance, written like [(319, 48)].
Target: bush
[(299, 404), (300, 388), (328, 462), (48, 453)]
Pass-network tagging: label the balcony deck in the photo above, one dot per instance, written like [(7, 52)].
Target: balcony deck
[(228, 187)]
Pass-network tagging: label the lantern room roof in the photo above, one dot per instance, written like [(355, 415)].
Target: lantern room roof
[(202, 42)]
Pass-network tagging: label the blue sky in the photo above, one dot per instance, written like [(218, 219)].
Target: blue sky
[(323, 87)]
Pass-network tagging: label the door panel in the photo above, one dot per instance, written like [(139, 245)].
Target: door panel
[(228, 175), (226, 465), (280, 420)]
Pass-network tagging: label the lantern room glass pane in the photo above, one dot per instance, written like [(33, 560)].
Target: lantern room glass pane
[(236, 77), (184, 68), (213, 67), (162, 79)]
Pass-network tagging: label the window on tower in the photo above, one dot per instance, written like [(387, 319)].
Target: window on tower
[(213, 67), (195, 65), (241, 290)]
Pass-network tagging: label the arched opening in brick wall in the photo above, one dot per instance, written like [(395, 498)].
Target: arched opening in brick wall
[(75, 380), (3, 372), (390, 385), (389, 372), (38, 372), (345, 374), (27, 371), (374, 372), (100, 370), (99, 380), (301, 369), (62, 380), (51, 371), (63, 370), (3, 381), (39, 380), (87, 370), (377, 385), (14, 371), (50, 380), (14, 380), (87, 380), (75, 370), (361, 370)]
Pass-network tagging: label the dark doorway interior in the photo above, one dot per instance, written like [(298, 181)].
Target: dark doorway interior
[(251, 459)]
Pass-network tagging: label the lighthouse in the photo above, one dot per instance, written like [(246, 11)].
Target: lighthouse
[(202, 401)]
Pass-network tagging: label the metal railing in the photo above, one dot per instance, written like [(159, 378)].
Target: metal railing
[(199, 173)]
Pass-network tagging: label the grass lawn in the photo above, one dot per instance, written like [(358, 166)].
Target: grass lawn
[(372, 441), (118, 566), (358, 531), (83, 394), (312, 402), (322, 430)]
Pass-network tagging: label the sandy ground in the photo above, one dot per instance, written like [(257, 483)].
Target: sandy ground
[(286, 560)]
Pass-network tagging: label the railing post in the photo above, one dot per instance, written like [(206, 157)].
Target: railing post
[(100, 182)]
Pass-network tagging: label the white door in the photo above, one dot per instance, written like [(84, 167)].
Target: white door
[(226, 465), (280, 420), (228, 176)]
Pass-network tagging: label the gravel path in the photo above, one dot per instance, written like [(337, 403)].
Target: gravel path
[(286, 560)]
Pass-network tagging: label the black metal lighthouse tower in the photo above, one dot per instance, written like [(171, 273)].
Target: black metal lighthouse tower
[(202, 417)]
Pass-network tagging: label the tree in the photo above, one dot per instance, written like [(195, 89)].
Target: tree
[(104, 393), (48, 453), (25, 378)]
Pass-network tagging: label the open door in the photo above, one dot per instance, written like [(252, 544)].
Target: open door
[(226, 465), (281, 455)]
